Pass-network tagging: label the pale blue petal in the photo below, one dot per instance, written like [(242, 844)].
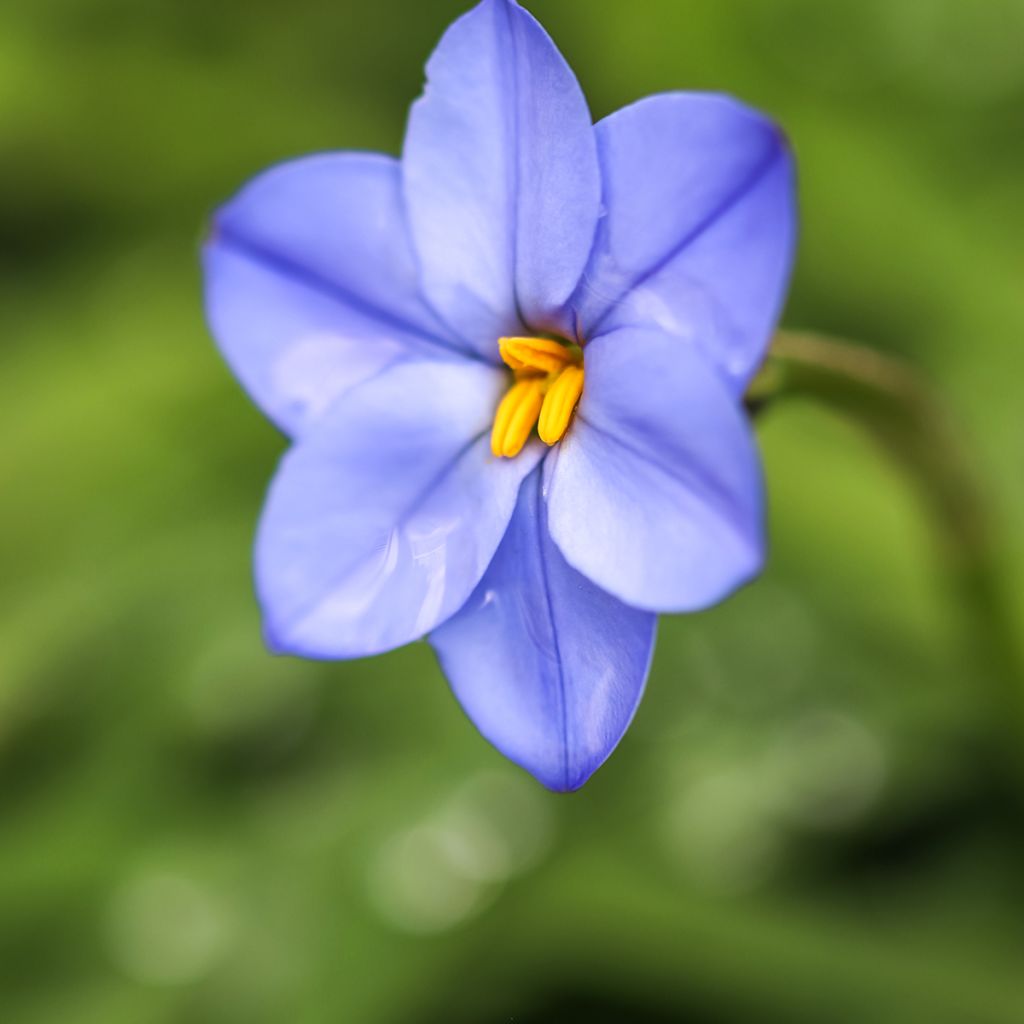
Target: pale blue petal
[(311, 284), (549, 667), (655, 493), (501, 176), (700, 228), (382, 520)]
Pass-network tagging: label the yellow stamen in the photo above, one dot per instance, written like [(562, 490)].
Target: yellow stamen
[(516, 417), (547, 388), (539, 354), (559, 403)]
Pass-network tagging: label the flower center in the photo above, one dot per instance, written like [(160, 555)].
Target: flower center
[(548, 385)]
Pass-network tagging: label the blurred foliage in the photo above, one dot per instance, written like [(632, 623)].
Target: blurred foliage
[(804, 822)]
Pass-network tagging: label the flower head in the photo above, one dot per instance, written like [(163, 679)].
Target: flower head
[(512, 366)]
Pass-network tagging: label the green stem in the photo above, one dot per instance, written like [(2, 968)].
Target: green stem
[(908, 419)]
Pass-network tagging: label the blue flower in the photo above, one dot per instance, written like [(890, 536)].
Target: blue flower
[(408, 324)]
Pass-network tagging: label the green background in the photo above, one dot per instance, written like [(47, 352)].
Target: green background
[(804, 823)]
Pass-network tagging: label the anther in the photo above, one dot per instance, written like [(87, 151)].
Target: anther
[(534, 354), (516, 417), (559, 403)]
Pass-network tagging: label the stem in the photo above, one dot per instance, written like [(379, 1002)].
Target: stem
[(911, 423)]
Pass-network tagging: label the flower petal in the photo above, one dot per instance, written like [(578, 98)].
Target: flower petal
[(656, 494), (501, 176), (549, 667), (312, 286), (382, 520), (700, 227)]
